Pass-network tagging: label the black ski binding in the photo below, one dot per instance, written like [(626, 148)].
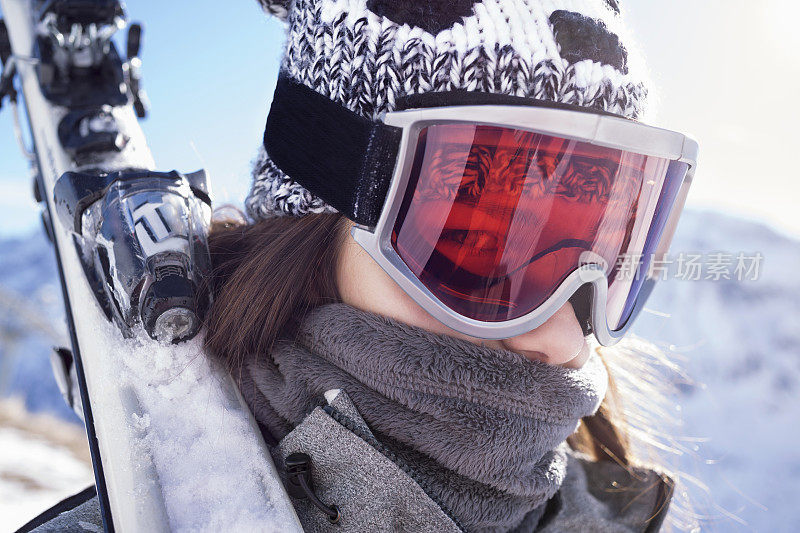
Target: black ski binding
[(142, 239), (78, 64)]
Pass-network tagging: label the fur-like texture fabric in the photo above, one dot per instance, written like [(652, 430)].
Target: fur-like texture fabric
[(365, 54), (486, 427)]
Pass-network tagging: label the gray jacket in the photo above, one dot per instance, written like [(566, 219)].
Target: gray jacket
[(373, 490)]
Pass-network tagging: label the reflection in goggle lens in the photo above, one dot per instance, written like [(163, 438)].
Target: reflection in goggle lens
[(494, 219)]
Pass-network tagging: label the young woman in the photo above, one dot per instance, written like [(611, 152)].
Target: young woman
[(439, 219)]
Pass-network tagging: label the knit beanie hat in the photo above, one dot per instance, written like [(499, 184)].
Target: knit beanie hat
[(366, 54)]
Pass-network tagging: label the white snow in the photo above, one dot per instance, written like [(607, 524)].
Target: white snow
[(38, 464), (29, 483), (193, 436)]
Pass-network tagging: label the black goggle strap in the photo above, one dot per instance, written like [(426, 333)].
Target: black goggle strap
[(338, 155)]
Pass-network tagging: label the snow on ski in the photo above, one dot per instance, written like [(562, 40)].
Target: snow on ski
[(173, 445)]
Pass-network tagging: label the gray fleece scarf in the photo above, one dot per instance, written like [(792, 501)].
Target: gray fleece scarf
[(486, 427)]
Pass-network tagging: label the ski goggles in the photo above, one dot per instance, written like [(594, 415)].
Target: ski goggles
[(492, 211)]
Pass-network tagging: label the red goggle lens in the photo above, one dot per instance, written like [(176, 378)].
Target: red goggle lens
[(494, 219)]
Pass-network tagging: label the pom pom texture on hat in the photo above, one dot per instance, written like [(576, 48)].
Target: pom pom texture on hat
[(364, 54)]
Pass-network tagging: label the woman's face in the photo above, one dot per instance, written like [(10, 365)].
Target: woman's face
[(364, 285)]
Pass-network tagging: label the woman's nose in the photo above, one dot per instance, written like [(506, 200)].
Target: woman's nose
[(559, 341)]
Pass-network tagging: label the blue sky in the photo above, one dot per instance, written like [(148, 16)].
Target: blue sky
[(726, 71)]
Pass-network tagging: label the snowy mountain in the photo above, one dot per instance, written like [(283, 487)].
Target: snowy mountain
[(739, 341), (31, 322)]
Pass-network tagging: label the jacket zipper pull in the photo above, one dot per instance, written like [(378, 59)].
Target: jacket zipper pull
[(298, 469)]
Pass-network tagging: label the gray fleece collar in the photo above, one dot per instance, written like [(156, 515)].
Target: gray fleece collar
[(486, 426)]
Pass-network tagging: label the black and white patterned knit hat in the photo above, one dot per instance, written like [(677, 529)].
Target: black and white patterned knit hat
[(365, 54)]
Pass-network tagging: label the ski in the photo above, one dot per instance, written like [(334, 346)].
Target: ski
[(130, 246)]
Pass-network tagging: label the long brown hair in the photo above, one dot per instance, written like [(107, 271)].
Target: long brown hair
[(265, 278), (268, 275)]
